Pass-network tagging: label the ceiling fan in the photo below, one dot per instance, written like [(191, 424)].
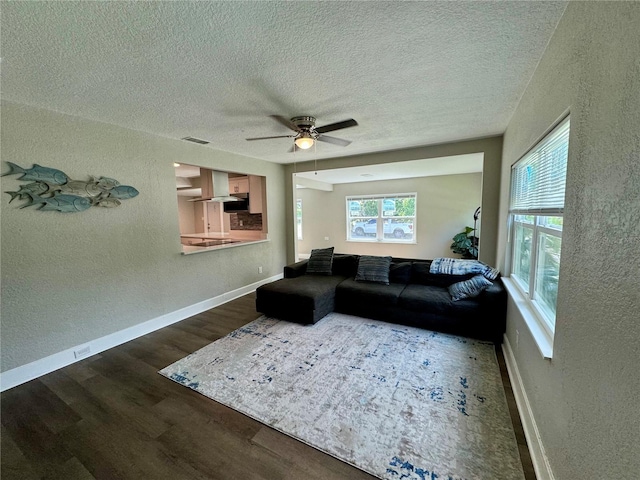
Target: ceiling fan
[(307, 133)]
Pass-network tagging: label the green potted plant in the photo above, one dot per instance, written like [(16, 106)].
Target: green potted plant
[(465, 243)]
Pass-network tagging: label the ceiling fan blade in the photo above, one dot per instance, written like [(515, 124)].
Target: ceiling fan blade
[(266, 138), (337, 126), (286, 122), (334, 140)]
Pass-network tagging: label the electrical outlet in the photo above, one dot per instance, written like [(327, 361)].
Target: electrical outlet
[(326, 238), (517, 338), (82, 352), (259, 269)]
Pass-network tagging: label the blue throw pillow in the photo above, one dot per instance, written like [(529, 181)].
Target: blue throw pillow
[(320, 261), (373, 269), (469, 288)]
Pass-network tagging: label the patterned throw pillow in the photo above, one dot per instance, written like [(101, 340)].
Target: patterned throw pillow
[(373, 269), (468, 288), (320, 261)]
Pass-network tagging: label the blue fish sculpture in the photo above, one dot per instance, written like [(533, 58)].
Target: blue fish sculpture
[(106, 183), (123, 192), (60, 202), (38, 173), (35, 187), (107, 202)]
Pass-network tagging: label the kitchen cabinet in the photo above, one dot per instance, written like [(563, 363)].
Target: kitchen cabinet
[(238, 185), (256, 194)]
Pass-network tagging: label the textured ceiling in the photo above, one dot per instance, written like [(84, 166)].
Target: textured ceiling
[(410, 73)]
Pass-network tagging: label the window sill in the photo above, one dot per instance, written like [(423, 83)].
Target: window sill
[(373, 240), (542, 339)]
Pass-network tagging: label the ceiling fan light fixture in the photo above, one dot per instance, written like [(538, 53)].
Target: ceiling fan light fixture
[(307, 133), (304, 142)]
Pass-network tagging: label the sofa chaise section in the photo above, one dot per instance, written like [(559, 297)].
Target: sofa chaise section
[(303, 299)]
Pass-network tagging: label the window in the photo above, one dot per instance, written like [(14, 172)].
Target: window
[(536, 216), (299, 218), (382, 218)]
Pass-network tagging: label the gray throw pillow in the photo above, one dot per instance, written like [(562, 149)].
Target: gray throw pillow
[(373, 269), (400, 272), (345, 265), (469, 288), (320, 261)]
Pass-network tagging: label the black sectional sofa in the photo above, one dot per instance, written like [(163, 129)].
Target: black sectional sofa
[(413, 296)]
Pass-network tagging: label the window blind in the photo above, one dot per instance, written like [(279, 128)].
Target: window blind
[(538, 179)]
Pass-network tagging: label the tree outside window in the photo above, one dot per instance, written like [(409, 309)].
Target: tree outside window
[(299, 218)]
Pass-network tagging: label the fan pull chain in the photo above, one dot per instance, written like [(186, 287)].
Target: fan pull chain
[(315, 155)]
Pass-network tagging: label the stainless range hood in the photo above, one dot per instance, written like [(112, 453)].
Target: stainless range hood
[(215, 187)]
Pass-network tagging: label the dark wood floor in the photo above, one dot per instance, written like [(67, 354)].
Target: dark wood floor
[(112, 416)]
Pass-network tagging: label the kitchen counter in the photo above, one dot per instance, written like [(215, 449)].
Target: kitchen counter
[(204, 242)]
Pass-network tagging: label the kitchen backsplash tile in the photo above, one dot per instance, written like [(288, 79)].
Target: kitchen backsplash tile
[(245, 221)]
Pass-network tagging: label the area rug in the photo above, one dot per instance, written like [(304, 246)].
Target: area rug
[(395, 401)]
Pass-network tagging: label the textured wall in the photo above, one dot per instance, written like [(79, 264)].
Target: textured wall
[(445, 206), (583, 400), (71, 278)]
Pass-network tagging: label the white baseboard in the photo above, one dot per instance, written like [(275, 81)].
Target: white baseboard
[(25, 373), (536, 448)]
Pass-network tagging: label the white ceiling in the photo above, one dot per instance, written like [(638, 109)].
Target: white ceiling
[(410, 73), (458, 164)]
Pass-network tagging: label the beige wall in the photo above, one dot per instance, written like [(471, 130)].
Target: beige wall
[(445, 206), (584, 399), (71, 278), (187, 215), (491, 148)]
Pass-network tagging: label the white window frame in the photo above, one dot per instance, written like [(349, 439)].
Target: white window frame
[(535, 202), (381, 218)]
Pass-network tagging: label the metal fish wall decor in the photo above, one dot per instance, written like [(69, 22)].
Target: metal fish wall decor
[(53, 190)]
